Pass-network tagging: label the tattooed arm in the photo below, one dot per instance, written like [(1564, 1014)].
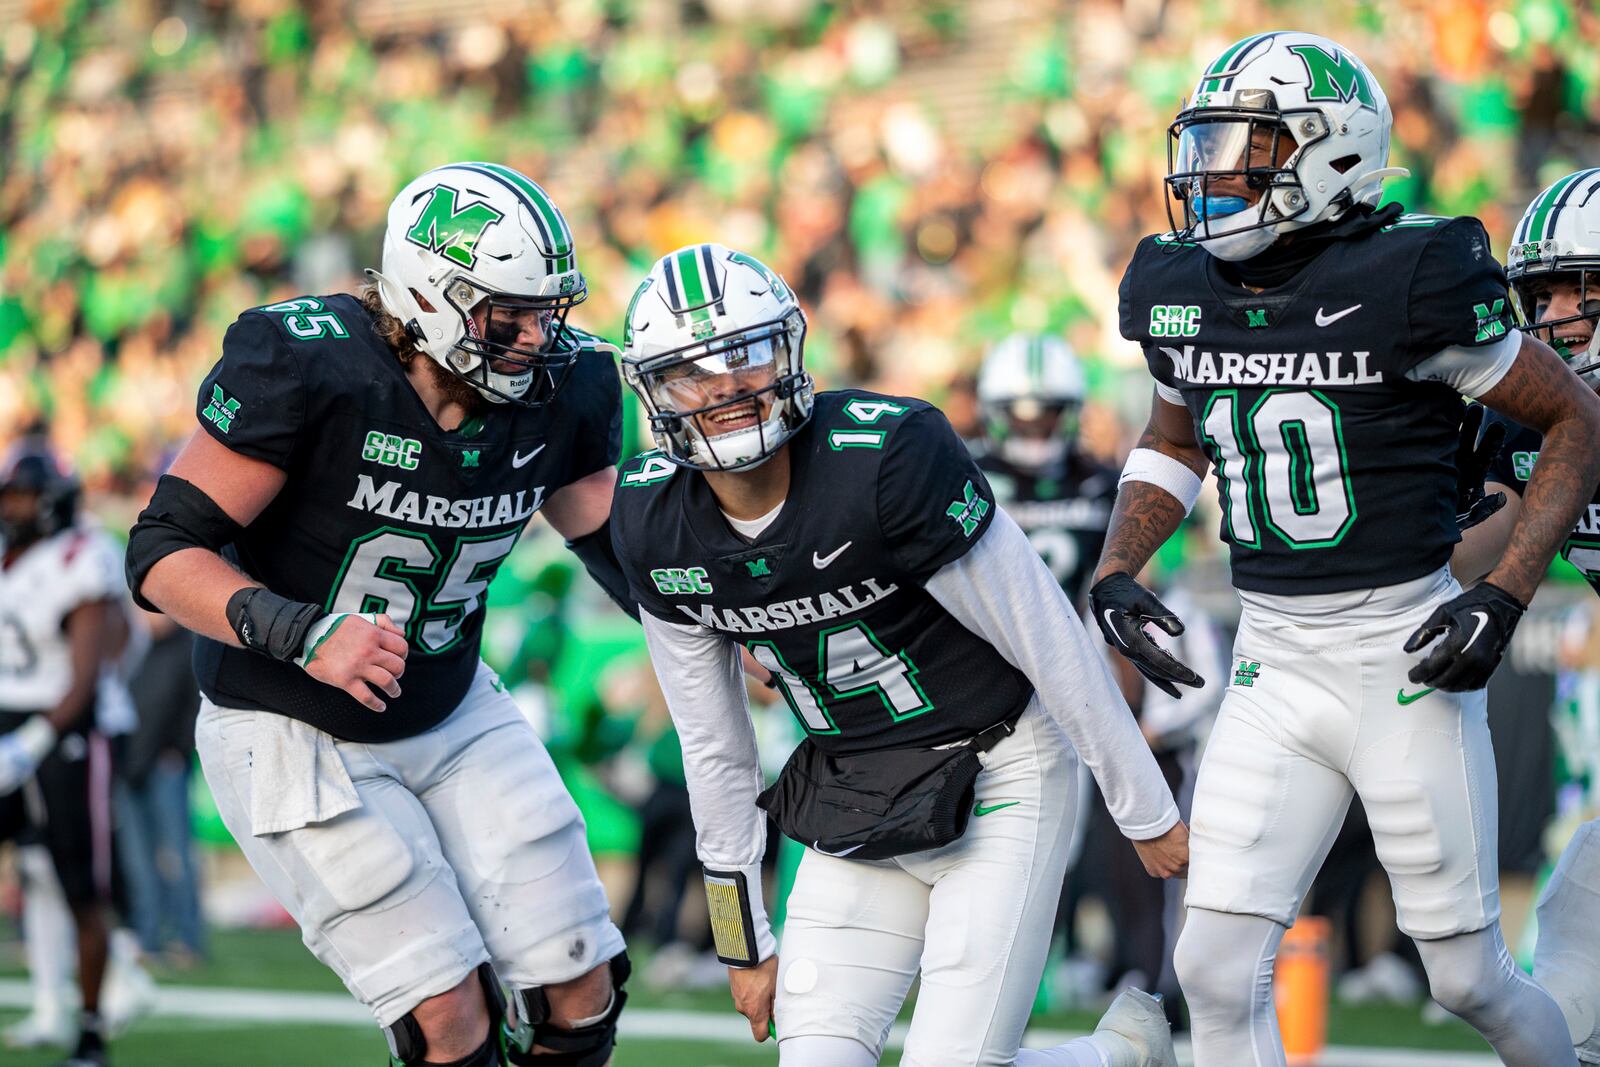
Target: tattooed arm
[(1145, 514), (1542, 393)]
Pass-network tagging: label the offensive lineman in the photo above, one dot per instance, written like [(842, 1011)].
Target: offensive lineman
[(1554, 269), (847, 542), (371, 462), (1313, 347), (59, 619)]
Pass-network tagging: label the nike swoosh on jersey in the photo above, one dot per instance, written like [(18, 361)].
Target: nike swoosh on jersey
[(1483, 620), (980, 810), (519, 461), (820, 562), (817, 846), (1329, 320), (1403, 698)]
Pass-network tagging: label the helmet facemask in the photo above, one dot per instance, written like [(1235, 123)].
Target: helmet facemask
[(488, 355), (1218, 159), (1534, 293), (729, 402), (1031, 433)]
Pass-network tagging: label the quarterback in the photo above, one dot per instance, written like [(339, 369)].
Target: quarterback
[(1554, 269), (59, 618), (848, 543), (362, 467), (1314, 348)]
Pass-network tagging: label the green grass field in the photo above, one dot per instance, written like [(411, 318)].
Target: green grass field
[(275, 960)]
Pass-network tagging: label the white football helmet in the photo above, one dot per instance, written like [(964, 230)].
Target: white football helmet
[(1030, 390), (1559, 238), (1251, 101), (481, 236), (714, 347)]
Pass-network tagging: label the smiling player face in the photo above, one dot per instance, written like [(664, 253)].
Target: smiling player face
[(712, 387)]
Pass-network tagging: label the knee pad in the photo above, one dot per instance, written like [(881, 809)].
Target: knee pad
[(408, 1046), (590, 1045)]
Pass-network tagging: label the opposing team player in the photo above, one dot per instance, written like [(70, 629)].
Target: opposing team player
[(1554, 269), (371, 461), (847, 541), (1314, 349), (60, 582), (1030, 392)]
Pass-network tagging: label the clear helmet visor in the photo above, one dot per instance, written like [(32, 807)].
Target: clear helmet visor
[(1562, 309), (1222, 166), (724, 406)]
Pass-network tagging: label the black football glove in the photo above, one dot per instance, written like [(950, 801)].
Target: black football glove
[(1473, 456), (1122, 607), (1476, 627)]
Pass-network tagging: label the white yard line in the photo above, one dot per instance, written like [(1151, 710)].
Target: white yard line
[(276, 1006)]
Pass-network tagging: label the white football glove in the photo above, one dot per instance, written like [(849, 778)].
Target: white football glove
[(22, 750)]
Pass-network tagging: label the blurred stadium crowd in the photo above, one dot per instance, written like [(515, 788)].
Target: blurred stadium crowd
[(930, 176)]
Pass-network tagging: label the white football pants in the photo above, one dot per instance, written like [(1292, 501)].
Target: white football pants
[(466, 848), (974, 917)]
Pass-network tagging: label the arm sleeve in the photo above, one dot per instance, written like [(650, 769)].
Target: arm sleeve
[(703, 681), (1457, 301), (253, 401), (933, 501), (986, 590)]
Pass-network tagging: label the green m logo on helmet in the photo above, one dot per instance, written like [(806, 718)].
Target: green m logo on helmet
[(1335, 76), (452, 233)]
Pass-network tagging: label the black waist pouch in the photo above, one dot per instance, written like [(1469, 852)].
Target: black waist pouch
[(874, 805)]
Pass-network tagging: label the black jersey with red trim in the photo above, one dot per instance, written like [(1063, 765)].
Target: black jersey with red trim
[(1335, 466), (1514, 466), (381, 509), (1063, 508), (830, 597)]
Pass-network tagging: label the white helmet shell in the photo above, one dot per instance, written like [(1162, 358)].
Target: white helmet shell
[(709, 332), (1560, 234), (467, 232), (1309, 87)]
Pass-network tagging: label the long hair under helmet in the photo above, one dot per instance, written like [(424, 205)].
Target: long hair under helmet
[(481, 235), (1267, 90), (1559, 238), (713, 337)]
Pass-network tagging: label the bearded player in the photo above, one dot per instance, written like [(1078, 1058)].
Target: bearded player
[(1554, 269), (1314, 349), (847, 542), (363, 467)]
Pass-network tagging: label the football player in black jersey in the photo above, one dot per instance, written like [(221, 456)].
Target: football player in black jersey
[(363, 466), (1554, 268), (1030, 391), (1313, 348), (847, 542)]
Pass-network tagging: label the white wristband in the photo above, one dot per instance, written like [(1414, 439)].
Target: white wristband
[(37, 737), (1158, 468)]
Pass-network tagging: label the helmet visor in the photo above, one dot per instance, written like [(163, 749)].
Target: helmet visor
[(1561, 307), (721, 401), (1223, 163)]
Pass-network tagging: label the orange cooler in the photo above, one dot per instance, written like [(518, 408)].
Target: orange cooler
[(1302, 989)]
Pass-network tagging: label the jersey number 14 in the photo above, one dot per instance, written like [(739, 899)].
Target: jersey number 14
[(854, 662)]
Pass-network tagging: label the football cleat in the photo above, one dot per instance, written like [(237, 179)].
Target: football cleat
[(1136, 1017)]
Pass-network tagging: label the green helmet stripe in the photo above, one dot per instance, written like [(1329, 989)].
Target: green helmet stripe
[(1036, 360), (694, 285), (1541, 215), (560, 235), (1214, 75)]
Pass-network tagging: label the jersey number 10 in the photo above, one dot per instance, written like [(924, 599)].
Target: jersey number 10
[(1282, 465)]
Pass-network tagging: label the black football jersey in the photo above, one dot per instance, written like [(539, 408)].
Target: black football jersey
[(1063, 509), (830, 597), (382, 510), (1514, 466), (1336, 471)]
